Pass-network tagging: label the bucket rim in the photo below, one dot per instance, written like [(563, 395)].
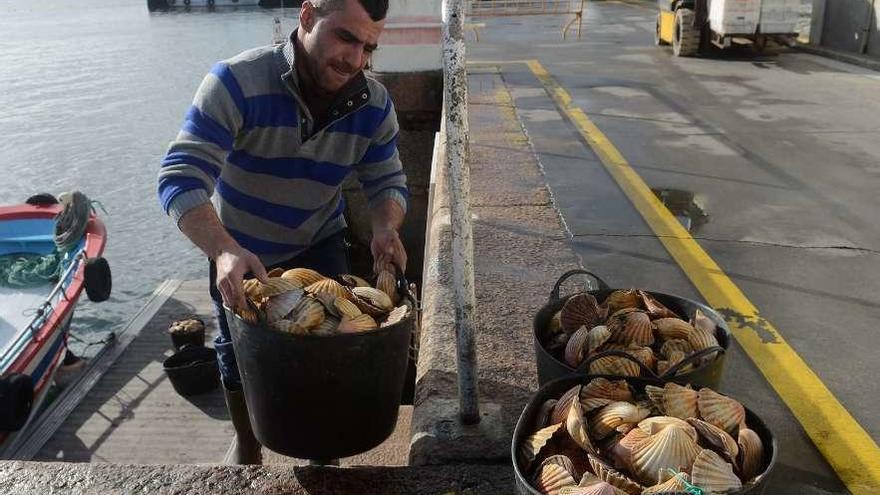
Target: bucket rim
[(542, 392), (373, 331)]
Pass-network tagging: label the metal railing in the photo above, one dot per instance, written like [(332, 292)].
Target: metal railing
[(455, 98), (501, 8)]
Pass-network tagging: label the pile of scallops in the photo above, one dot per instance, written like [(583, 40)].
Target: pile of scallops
[(301, 301), (604, 438)]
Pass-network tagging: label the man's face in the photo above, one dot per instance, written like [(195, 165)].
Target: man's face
[(338, 45)]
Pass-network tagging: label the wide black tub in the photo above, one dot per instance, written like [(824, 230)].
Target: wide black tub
[(555, 389), (706, 375), (322, 397)]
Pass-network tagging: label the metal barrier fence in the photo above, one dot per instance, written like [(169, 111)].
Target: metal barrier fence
[(501, 8)]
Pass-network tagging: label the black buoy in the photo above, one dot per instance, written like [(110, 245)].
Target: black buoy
[(154, 5)]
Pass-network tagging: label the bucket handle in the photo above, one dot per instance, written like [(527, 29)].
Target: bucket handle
[(554, 295), (583, 368), (690, 359), (402, 286)]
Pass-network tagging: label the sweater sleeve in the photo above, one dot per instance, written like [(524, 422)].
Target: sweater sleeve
[(380, 171), (195, 158)]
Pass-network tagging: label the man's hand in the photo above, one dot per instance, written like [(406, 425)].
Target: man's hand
[(387, 249), (232, 266), (233, 262)]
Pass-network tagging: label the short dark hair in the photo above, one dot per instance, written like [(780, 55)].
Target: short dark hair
[(377, 9)]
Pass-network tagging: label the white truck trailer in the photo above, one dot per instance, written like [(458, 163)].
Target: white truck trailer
[(692, 25)]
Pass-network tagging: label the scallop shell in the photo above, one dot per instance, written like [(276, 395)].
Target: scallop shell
[(673, 328), (677, 484), (751, 453), (621, 451), (576, 425), (275, 272), (375, 297), (531, 447), (701, 339), (645, 355), (654, 424), (302, 277), (248, 315), (674, 358), (395, 316), (600, 488), (345, 307), (716, 439), (601, 392), (353, 281), (598, 335), (680, 345), (359, 323), (387, 283), (703, 322), (560, 412), (671, 448), (720, 410), (614, 415), (616, 320), (712, 474), (251, 289), (308, 313), (614, 365), (275, 286), (327, 327), (674, 400), (555, 473), (635, 328), (580, 310), (542, 418), (555, 325), (576, 347), (327, 286), (621, 299), (279, 306), (288, 327), (653, 307), (613, 477)]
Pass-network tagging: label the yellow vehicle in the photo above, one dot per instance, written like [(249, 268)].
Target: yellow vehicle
[(691, 26)]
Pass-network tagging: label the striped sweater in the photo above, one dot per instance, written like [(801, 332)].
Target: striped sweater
[(250, 141)]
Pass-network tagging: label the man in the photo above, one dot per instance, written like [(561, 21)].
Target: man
[(271, 134)]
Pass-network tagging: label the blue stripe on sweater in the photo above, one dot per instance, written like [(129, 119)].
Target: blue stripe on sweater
[(202, 125), (380, 152), (363, 122), (327, 173), (282, 215), (259, 246), (170, 187), (224, 73), (273, 110), (181, 158)]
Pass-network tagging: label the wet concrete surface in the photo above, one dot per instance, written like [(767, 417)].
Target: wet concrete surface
[(781, 150)]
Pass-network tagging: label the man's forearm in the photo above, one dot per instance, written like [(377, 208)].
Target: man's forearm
[(387, 215), (204, 229)]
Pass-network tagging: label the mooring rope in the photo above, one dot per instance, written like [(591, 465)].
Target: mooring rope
[(23, 270)]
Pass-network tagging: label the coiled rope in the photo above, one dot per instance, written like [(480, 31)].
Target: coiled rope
[(23, 270)]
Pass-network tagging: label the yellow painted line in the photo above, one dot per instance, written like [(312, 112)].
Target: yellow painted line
[(842, 441)]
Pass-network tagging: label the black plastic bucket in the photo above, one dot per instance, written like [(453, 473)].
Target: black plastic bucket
[(555, 389), (706, 375), (322, 397), (193, 370)]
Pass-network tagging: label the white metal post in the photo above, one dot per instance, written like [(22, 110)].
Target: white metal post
[(455, 105)]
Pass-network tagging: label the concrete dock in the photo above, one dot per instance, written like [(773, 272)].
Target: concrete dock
[(779, 151)]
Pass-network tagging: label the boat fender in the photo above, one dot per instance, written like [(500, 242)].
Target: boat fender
[(42, 199), (16, 400), (97, 279), (210, 3), (186, 2)]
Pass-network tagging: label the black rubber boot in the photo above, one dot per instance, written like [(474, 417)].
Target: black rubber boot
[(245, 448)]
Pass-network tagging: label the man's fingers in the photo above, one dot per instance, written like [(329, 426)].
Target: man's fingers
[(259, 270)]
